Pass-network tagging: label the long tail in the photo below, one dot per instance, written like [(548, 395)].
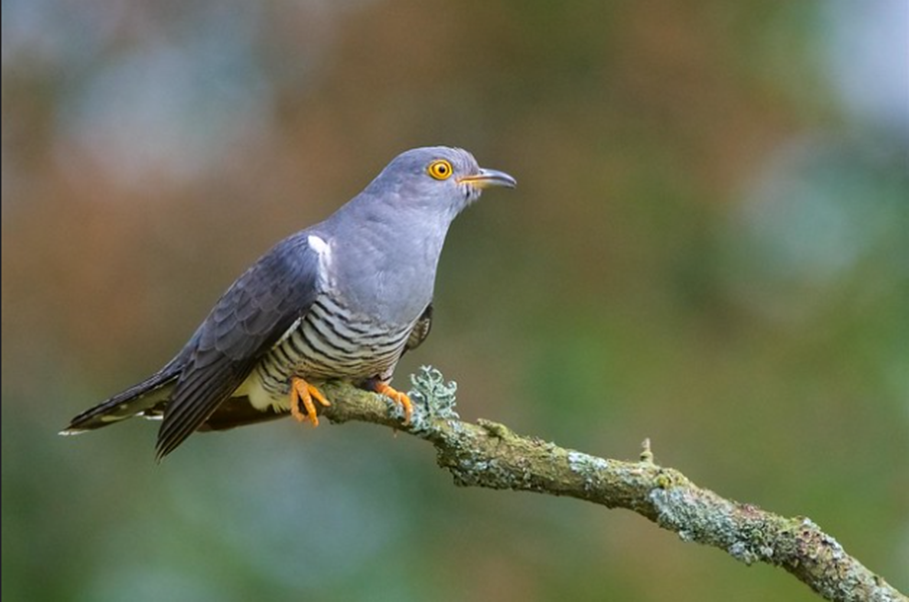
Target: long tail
[(138, 399)]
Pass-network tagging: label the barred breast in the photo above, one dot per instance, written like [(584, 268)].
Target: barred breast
[(330, 341)]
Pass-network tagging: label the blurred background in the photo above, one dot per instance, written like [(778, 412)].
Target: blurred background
[(709, 247)]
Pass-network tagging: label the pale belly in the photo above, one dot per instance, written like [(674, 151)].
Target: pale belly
[(262, 393)]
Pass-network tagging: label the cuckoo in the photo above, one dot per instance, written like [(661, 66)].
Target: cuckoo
[(343, 299)]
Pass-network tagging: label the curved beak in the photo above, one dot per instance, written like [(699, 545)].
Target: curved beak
[(488, 177)]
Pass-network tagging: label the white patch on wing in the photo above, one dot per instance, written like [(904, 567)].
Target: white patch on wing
[(323, 250)]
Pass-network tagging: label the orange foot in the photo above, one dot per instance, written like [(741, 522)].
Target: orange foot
[(301, 395), (398, 397)]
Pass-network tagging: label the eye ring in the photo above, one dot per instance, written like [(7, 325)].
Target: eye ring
[(440, 169)]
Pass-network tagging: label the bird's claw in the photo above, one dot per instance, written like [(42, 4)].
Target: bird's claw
[(302, 394), (402, 399)]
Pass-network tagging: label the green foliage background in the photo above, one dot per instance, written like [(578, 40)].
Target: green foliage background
[(709, 246)]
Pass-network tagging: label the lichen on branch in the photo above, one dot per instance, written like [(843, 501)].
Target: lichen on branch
[(491, 455)]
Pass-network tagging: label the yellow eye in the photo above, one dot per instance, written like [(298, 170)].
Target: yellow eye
[(440, 169)]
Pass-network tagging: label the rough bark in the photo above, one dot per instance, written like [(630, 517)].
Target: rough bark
[(488, 454)]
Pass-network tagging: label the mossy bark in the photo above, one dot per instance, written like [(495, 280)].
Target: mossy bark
[(488, 454)]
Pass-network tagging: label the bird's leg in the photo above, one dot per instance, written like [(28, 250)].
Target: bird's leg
[(398, 397), (302, 393)]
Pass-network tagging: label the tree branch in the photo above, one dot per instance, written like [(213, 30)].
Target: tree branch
[(488, 454)]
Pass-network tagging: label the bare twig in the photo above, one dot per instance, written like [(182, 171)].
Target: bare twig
[(488, 454)]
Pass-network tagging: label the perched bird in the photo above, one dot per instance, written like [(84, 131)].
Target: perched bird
[(343, 299)]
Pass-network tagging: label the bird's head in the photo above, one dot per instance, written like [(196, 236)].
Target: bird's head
[(437, 178)]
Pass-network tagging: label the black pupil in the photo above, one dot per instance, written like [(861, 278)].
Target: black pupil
[(441, 168)]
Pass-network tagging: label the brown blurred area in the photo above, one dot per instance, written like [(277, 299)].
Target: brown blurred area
[(708, 246)]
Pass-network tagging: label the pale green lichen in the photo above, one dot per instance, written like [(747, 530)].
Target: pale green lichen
[(583, 464), (587, 467), (433, 399), (696, 520), (471, 470)]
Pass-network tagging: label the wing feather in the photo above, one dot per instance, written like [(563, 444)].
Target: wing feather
[(248, 319)]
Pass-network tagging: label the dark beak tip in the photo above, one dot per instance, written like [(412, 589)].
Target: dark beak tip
[(499, 178)]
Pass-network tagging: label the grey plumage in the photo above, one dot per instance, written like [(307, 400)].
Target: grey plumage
[(342, 299)]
